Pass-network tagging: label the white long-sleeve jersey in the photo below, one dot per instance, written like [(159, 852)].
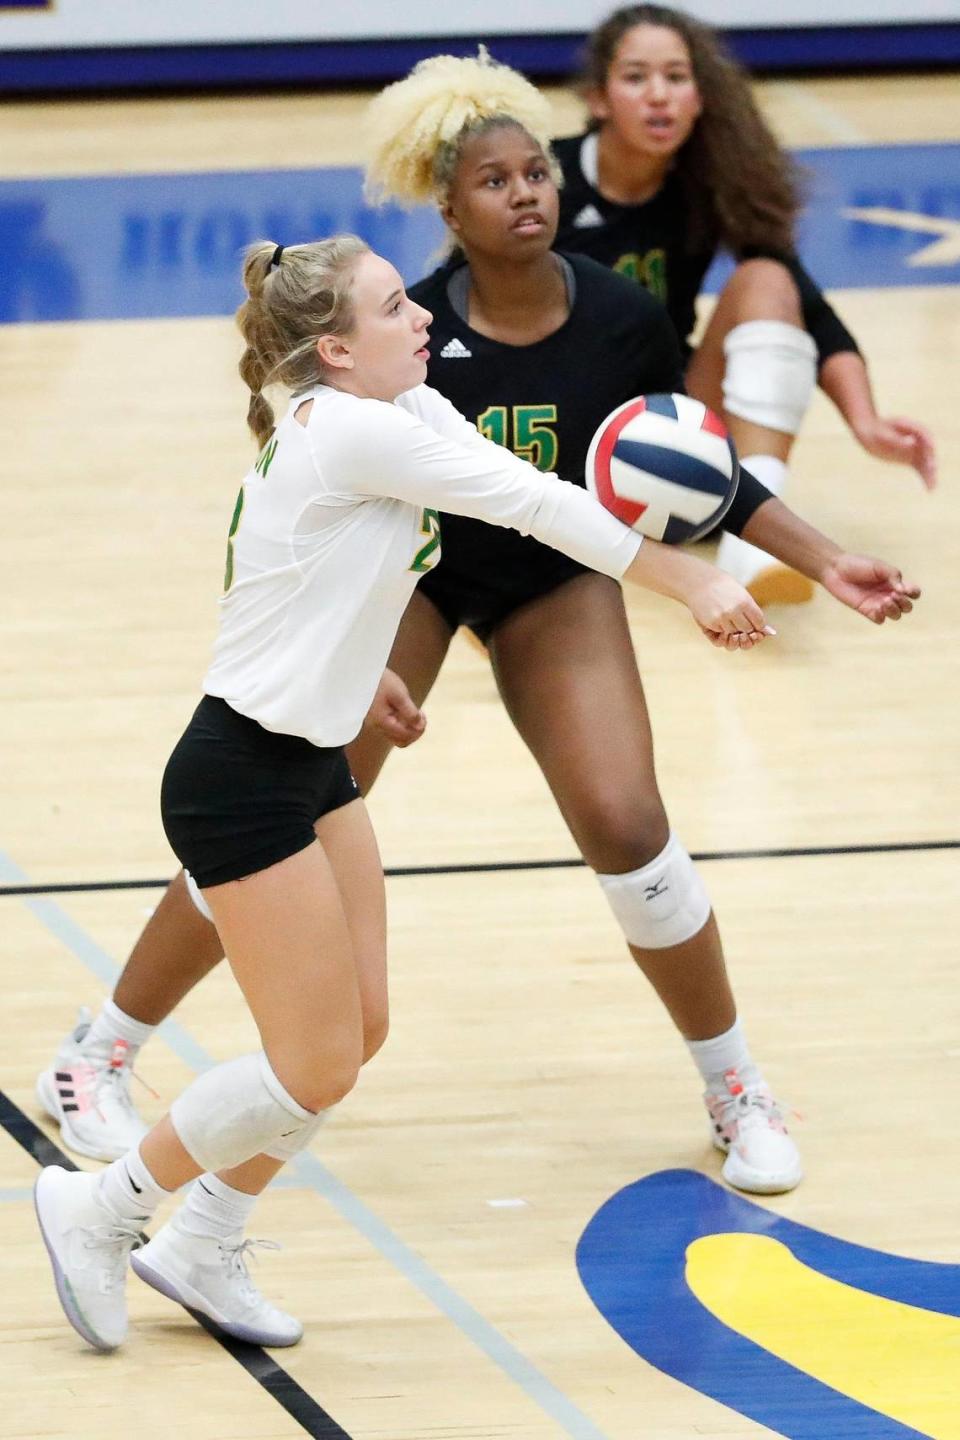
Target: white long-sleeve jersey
[(334, 525)]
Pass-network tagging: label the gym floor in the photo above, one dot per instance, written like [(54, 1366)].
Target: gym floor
[(515, 1227)]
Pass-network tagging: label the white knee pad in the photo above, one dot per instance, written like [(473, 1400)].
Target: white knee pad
[(196, 895), (771, 373), (236, 1110), (662, 904), (290, 1145)]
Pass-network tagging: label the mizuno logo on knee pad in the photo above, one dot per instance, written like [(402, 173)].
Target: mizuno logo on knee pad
[(661, 904)]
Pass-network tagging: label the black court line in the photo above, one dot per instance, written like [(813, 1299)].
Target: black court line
[(262, 1367), (489, 867)]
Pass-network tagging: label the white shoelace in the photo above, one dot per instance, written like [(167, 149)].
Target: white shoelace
[(235, 1260), (115, 1241), (758, 1100), (750, 1104), (112, 1071)]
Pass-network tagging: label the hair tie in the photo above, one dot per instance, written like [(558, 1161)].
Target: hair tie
[(275, 258)]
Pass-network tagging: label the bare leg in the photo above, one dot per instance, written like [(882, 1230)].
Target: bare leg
[(176, 949), (581, 710), (253, 1176), (289, 940), (352, 853), (289, 931)]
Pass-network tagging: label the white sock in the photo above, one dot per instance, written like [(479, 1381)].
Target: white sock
[(768, 470), (215, 1208), (112, 1025), (729, 1051), (739, 557), (128, 1189)]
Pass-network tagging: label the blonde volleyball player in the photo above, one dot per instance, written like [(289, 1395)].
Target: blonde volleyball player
[(678, 164), (334, 525)]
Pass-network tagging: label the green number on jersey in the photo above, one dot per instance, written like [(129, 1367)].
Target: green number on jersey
[(534, 437), (262, 464), (234, 527), (265, 459), (493, 424), (428, 554), (649, 270)]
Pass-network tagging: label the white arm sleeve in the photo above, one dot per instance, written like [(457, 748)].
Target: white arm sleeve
[(572, 521), (393, 453)]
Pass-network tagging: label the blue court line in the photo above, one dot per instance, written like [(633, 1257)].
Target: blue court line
[(99, 963), (310, 1172)]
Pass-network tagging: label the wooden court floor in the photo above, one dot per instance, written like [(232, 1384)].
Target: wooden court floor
[(430, 1239)]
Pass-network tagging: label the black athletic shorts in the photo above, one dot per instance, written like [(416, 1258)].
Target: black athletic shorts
[(486, 572), (236, 798)]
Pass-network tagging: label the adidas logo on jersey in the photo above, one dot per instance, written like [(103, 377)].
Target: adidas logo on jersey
[(455, 350), (586, 218)]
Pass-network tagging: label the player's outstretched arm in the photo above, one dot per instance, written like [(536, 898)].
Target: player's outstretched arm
[(895, 438), (874, 588), (727, 613)]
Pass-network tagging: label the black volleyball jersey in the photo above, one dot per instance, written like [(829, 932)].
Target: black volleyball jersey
[(544, 401), (648, 243)]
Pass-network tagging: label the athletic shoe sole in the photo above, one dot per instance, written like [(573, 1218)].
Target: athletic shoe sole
[(755, 1182), (195, 1303), (42, 1201)]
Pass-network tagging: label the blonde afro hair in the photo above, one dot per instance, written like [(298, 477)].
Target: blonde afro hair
[(416, 126)]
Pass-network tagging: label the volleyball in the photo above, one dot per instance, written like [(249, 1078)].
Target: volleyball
[(665, 466)]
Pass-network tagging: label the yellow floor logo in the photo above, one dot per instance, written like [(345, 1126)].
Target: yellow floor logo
[(806, 1334)]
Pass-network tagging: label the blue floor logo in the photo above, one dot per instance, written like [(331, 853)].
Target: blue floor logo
[(809, 1335)]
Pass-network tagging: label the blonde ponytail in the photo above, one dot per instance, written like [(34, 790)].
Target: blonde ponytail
[(289, 306)]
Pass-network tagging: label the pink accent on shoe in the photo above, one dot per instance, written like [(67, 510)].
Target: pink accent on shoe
[(76, 1087), (87, 1091), (748, 1124), (118, 1055)]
